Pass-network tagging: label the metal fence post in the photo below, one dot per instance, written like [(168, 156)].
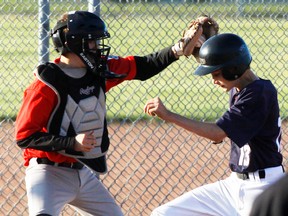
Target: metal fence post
[(43, 39), (240, 5), (94, 6)]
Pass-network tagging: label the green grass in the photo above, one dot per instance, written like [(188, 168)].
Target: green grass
[(138, 30)]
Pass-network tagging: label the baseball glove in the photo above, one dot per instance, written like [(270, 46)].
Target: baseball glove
[(197, 33)]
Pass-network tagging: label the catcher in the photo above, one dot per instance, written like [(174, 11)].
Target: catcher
[(252, 123), (62, 125)]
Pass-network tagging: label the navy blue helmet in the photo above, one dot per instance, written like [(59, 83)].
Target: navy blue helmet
[(227, 52)]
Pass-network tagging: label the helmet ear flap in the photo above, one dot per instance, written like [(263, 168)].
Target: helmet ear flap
[(57, 41), (234, 72), (58, 37), (230, 73)]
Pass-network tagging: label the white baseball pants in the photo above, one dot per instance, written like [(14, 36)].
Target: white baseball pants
[(230, 197)]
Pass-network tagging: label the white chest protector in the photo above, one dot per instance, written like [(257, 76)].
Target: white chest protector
[(88, 115)]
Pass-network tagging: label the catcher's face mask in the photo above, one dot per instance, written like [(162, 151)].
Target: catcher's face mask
[(94, 54)]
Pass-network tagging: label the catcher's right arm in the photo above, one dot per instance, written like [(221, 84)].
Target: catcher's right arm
[(197, 33)]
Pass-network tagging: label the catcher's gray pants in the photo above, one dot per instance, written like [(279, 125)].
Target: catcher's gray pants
[(49, 188), (230, 197)]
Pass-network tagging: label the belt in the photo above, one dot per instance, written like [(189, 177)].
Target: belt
[(245, 175), (261, 174), (75, 165)]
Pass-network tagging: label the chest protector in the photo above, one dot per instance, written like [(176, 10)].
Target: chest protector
[(81, 108)]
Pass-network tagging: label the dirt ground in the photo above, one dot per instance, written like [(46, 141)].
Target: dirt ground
[(149, 164)]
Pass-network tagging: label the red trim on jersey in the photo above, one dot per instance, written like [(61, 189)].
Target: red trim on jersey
[(121, 66), (38, 103), (40, 100)]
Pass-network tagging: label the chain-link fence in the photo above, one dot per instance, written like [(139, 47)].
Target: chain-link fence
[(150, 162)]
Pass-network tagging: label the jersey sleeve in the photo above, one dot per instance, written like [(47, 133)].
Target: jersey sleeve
[(38, 103), (139, 67), (120, 65), (247, 115)]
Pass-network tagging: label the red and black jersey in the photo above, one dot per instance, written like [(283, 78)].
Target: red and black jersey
[(53, 104)]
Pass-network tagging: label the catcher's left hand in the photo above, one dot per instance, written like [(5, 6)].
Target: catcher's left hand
[(197, 33)]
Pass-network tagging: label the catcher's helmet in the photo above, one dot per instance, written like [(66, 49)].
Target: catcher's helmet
[(73, 33), (79, 27), (227, 52)]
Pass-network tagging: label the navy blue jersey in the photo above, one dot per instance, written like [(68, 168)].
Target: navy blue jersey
[(253, 124)]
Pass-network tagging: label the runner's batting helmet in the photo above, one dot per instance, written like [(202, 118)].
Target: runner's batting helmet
[(226, 52)]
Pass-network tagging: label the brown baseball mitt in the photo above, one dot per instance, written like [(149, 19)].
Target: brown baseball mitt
[(197, 33)]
